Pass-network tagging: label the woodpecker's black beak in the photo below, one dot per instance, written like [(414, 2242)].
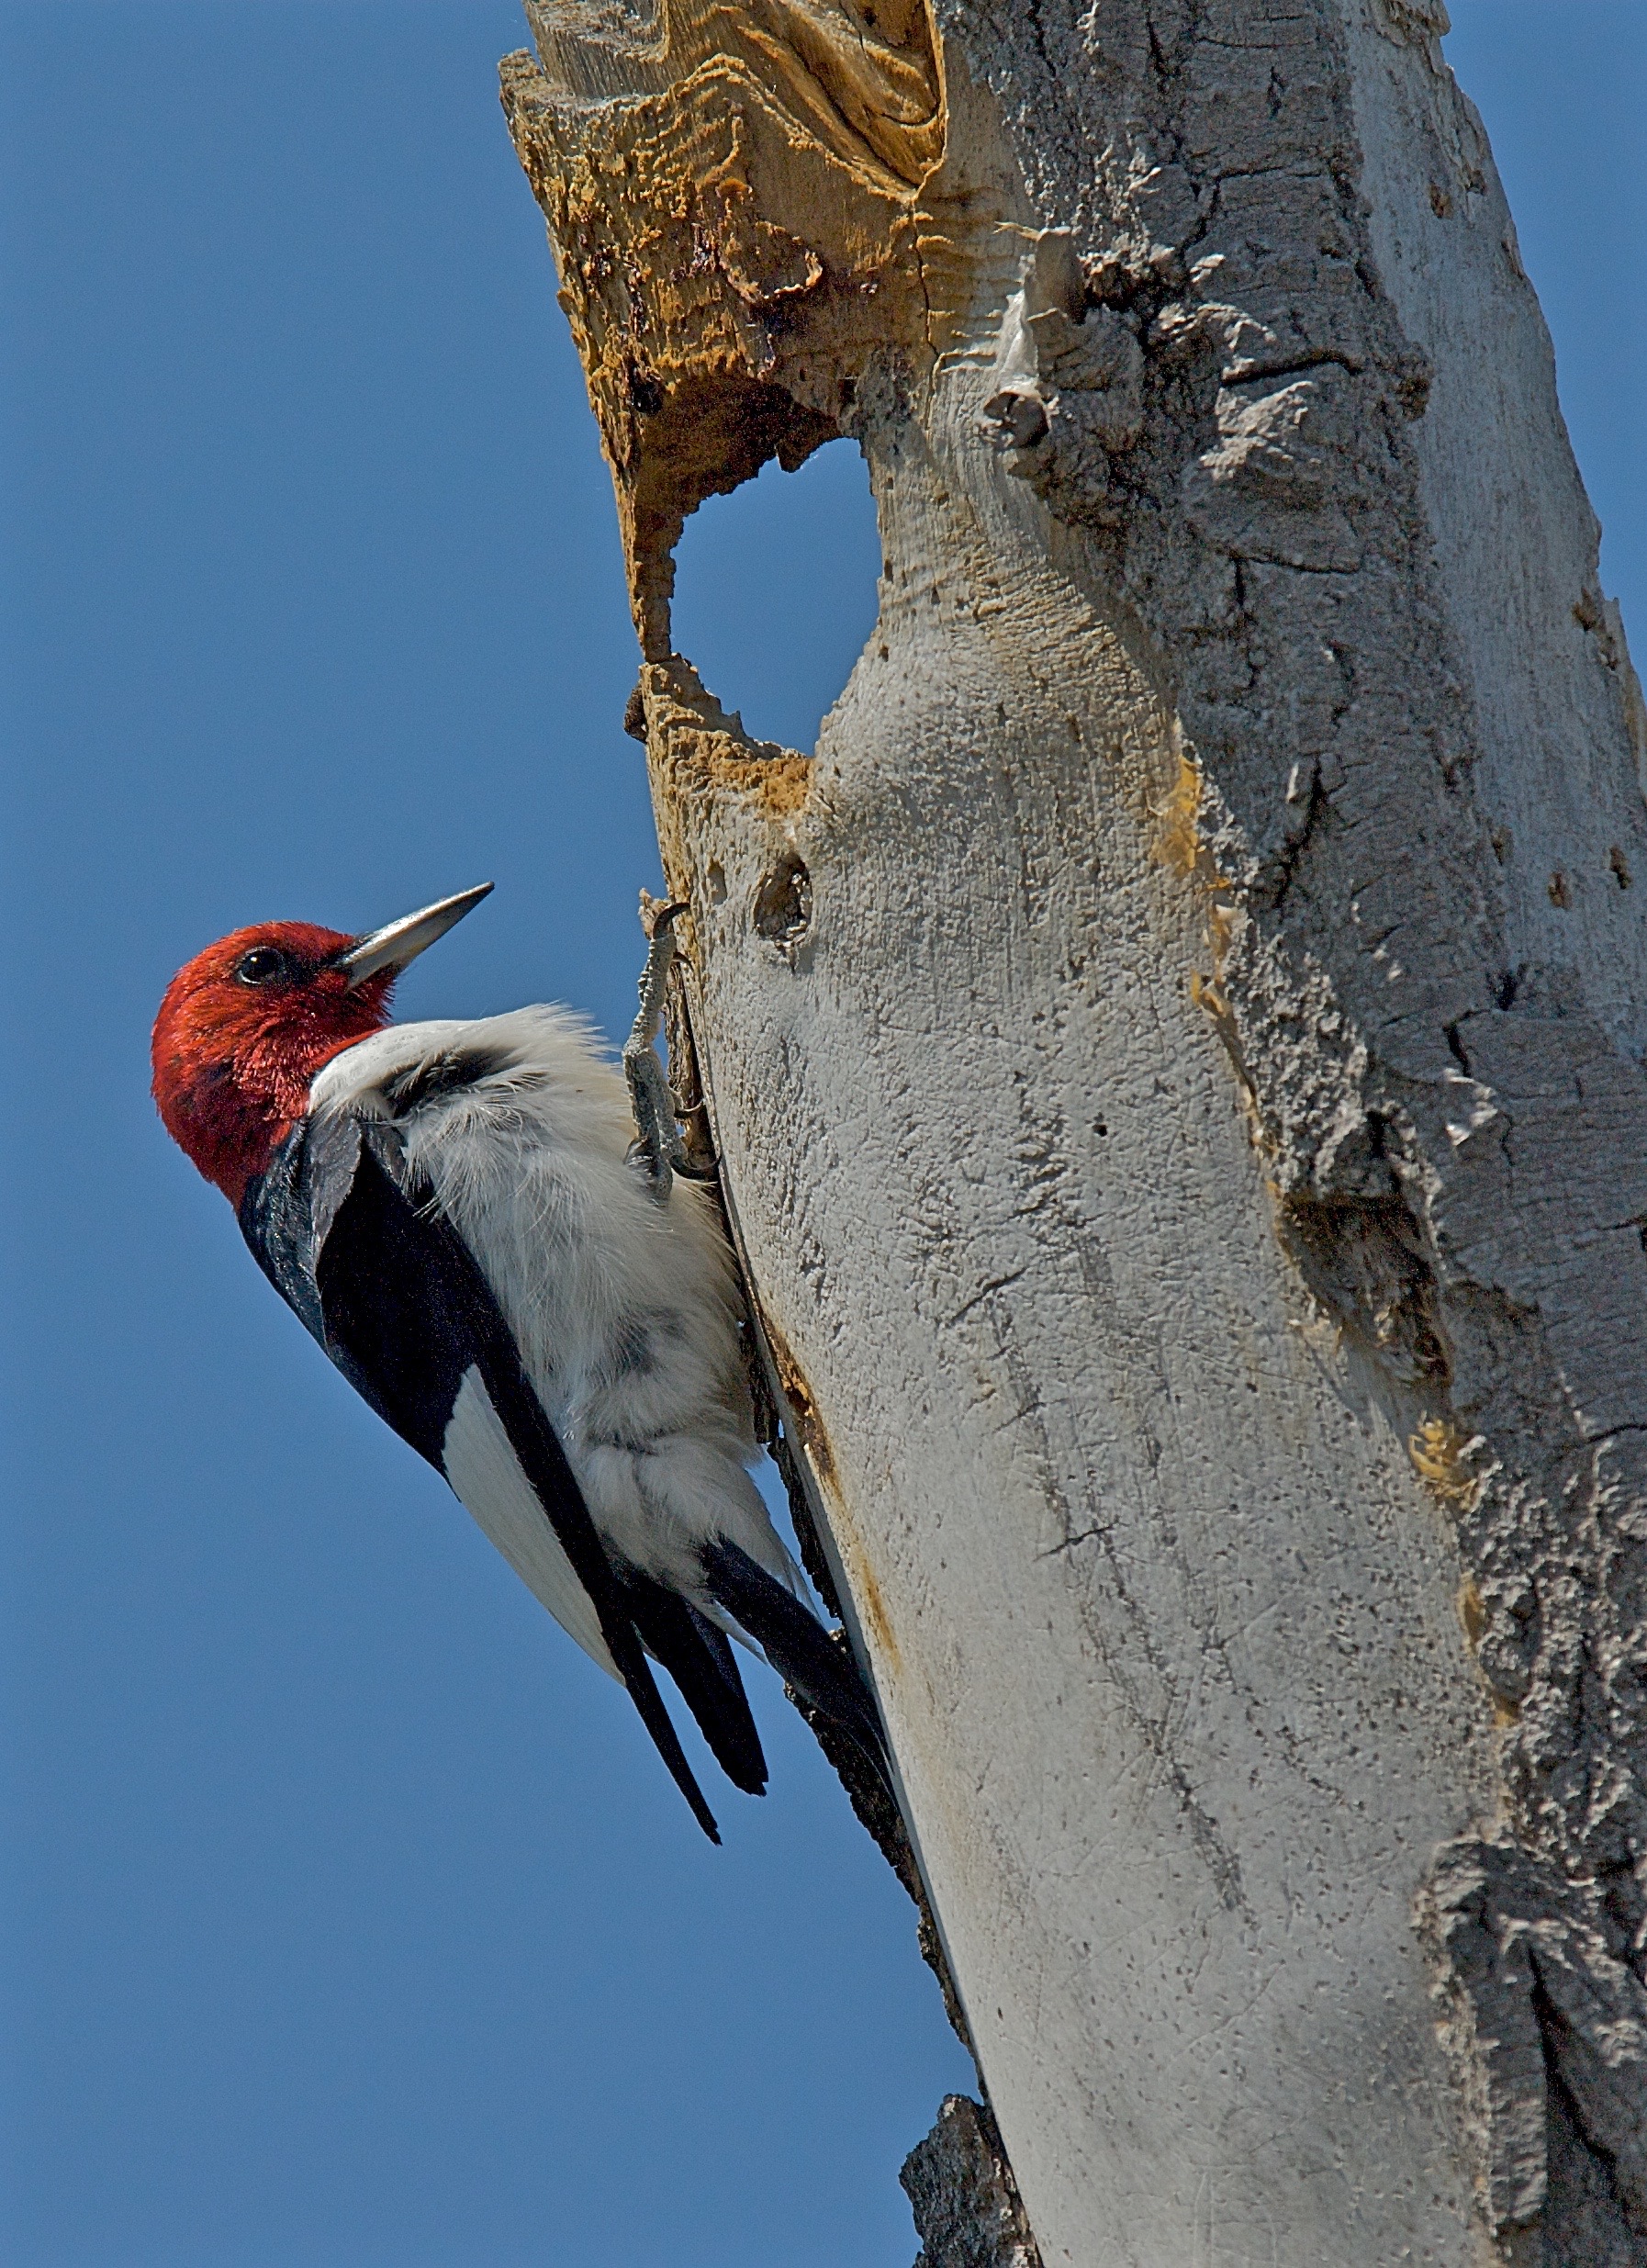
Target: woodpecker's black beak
[(403, 940)]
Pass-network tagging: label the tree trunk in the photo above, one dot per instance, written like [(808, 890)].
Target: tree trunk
[(1175, 1056)]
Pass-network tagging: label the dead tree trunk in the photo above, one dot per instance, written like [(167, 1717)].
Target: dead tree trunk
[(1175, 1050)]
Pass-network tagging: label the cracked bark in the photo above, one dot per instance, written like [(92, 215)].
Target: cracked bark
[(1175, 1053)]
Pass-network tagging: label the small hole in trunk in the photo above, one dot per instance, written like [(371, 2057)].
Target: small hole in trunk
[(783, 901)]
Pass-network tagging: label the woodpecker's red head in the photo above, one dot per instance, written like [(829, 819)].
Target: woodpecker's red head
[(245, 1026)]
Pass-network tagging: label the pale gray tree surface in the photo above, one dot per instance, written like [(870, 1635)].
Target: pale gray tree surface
[(1176, 1055)]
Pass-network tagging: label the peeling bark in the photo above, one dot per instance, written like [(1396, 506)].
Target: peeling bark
[(1176, 1055)]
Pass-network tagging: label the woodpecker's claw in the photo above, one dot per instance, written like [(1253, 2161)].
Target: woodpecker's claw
[(658, 1149)]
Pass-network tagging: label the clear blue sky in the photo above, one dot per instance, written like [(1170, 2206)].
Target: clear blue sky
[(349, 1920)]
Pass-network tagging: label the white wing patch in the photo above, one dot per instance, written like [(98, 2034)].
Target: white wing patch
[(484, 1474)]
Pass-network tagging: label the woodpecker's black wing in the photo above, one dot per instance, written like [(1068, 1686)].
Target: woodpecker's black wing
[(350, 1237)]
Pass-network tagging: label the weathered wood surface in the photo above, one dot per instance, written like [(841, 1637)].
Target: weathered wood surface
[(1176, 1053)]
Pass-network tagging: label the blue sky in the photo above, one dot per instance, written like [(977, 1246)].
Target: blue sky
[(349, 1920)]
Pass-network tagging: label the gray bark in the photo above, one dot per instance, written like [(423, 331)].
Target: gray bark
[(965, 2200), (1175, 1053)]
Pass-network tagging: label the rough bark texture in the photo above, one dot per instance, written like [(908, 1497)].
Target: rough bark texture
[(1175, 1052), (965, 2200)]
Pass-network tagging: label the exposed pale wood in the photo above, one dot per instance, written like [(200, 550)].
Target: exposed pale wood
[(1175, 1052)]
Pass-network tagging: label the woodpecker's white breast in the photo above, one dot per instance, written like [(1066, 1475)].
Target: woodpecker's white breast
[(623, 1309)]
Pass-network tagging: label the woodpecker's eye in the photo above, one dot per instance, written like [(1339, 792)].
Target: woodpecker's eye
[(264, 964)]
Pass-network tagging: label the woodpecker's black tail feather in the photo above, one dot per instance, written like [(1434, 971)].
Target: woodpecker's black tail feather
[(699, 1659), (797, 1647), (637, 1674)]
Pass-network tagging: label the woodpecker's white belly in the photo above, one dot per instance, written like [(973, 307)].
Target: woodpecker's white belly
[(623, 1309)]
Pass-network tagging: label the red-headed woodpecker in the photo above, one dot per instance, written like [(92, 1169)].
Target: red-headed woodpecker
[(453, 1211)]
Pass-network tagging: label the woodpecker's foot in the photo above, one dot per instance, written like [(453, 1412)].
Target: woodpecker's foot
[(658, 1149)]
